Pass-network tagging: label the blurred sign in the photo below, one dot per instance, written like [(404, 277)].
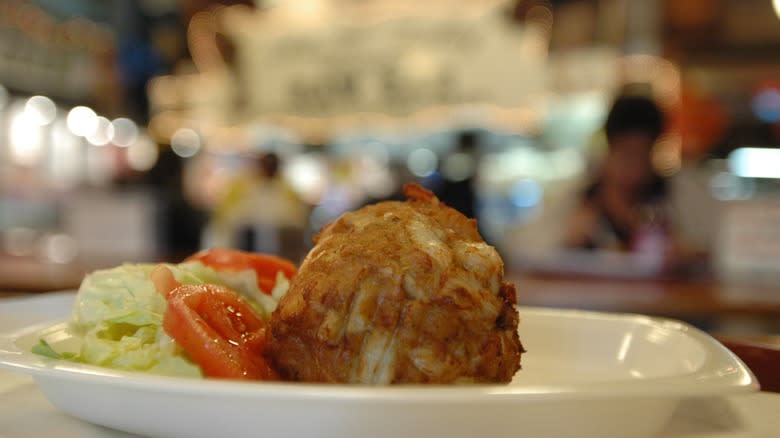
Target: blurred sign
[(396, 67)]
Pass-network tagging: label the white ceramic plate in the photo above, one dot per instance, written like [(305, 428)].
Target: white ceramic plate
[(585, 374)]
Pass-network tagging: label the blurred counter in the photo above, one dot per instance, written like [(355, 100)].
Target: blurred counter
[(20, 275), (704, 302)]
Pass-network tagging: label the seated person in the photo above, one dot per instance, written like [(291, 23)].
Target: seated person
[(627, 198)]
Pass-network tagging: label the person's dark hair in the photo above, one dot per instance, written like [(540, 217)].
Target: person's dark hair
[(468, 141), (269, 164), (634, 114)]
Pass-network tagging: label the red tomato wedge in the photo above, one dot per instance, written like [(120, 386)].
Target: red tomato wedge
[(265, 265), (216, 327), (219, 331)]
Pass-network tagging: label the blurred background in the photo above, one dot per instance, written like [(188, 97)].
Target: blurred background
[(146, 130)]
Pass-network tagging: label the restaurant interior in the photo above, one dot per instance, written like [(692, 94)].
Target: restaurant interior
[(135, 131), (621, 156)]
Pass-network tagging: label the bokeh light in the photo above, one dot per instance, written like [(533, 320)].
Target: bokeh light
[(41, 110), (125, 132), (422, 162), (755, 162), (766, 105), (371, 173), (59, 248), (185, 142), (307, 175), (82, 121), (458, 167), (667, 155), (103, 133), (25, 138), (142, 155), (525, 193), (541, 15), (726, 186)]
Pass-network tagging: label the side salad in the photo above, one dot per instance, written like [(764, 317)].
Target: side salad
[(205, 316)]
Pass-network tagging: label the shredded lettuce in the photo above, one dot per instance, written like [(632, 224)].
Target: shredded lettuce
[(119, 314)]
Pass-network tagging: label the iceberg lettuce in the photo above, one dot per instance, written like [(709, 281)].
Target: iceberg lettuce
[(119, 314)]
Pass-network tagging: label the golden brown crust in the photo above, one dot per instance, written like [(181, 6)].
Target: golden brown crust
[(416, 192), (398, 292)]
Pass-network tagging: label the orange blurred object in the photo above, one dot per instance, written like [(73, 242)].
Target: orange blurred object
[(700, 121)]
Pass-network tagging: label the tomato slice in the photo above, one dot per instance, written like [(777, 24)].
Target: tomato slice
[(265, 265), (219, 331)]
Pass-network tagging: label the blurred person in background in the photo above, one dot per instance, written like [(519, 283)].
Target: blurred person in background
[(625, 208), (457, 190), (180, 223), (260, 212)]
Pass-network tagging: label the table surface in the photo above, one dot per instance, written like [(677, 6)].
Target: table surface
[(25, 412), (679, 298)]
